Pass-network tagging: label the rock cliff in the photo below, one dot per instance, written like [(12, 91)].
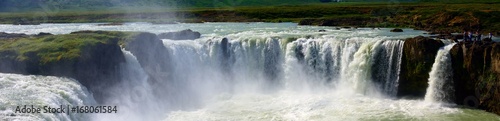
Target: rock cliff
[(418, 56), (476, 68), (92, 58)]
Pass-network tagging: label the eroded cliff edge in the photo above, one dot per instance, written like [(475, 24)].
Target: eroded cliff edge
[(91, 57), (476, 69), (416, 63), (94, 58)]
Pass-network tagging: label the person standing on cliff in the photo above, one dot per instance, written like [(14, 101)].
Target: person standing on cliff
[(490, 35), (470, 36), (465, 36), (478, 36)]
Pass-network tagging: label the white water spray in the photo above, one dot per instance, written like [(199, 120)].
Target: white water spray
[(39, 91), (440, 78), (133, 96), (263, 71)]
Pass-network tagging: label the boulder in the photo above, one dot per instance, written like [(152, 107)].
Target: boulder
[(416, 63), (43, 34), (187, 34), (397, 30)]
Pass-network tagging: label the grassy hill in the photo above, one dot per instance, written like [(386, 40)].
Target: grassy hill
[(58, 5), (432, 15)]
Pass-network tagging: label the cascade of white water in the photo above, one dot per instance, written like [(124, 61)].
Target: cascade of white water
[(261, 71), (133, 95), (39, 91), (440, 78), (386, 66)]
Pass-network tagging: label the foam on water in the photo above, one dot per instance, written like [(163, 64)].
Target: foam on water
[(289, 105), (262, 71), (19, 90)]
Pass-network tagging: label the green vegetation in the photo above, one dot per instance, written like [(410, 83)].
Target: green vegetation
[(56, 5), (442, 16), (58, 47)]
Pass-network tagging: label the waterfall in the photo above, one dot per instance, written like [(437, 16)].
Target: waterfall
[(243, 71), (19, 90), (133, 95), (219, 68), (375, 66), (440, 78), (204, 68), (386, 66)]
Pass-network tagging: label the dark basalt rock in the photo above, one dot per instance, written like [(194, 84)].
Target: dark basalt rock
[(476, 74), (111, 24), (187, 34), (4, 35), (487, 40), (43, 34), (416, 63), (397, 30), (97, 68), (476, 71)]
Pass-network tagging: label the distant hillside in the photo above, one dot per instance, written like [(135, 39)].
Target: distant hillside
[(34, 5), (30, 5)]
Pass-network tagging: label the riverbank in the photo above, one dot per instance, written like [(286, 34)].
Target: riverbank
[(432, 17)]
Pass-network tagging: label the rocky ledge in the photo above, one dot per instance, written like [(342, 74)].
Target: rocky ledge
[(92, 58), (476, 74), (476, 71), (416, 63)]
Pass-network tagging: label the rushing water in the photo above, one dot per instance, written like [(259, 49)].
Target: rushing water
[(19, 90), (259, 71), (440, 79)]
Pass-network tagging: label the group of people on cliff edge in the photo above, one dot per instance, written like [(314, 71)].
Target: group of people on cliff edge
[(468, 36)]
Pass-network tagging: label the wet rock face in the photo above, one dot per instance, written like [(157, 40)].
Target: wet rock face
[(416, 63), (97, 67), (187, 34), (476, 68)]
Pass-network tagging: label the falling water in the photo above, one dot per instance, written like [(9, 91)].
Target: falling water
[(133, 95), (255, 71), (440, 78), (39, 91)]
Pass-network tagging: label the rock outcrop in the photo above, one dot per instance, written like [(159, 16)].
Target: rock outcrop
[(397, 30), (418, 56), (4, 35), (148, 49), (476, 70), (187, 34), (89, 57)]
